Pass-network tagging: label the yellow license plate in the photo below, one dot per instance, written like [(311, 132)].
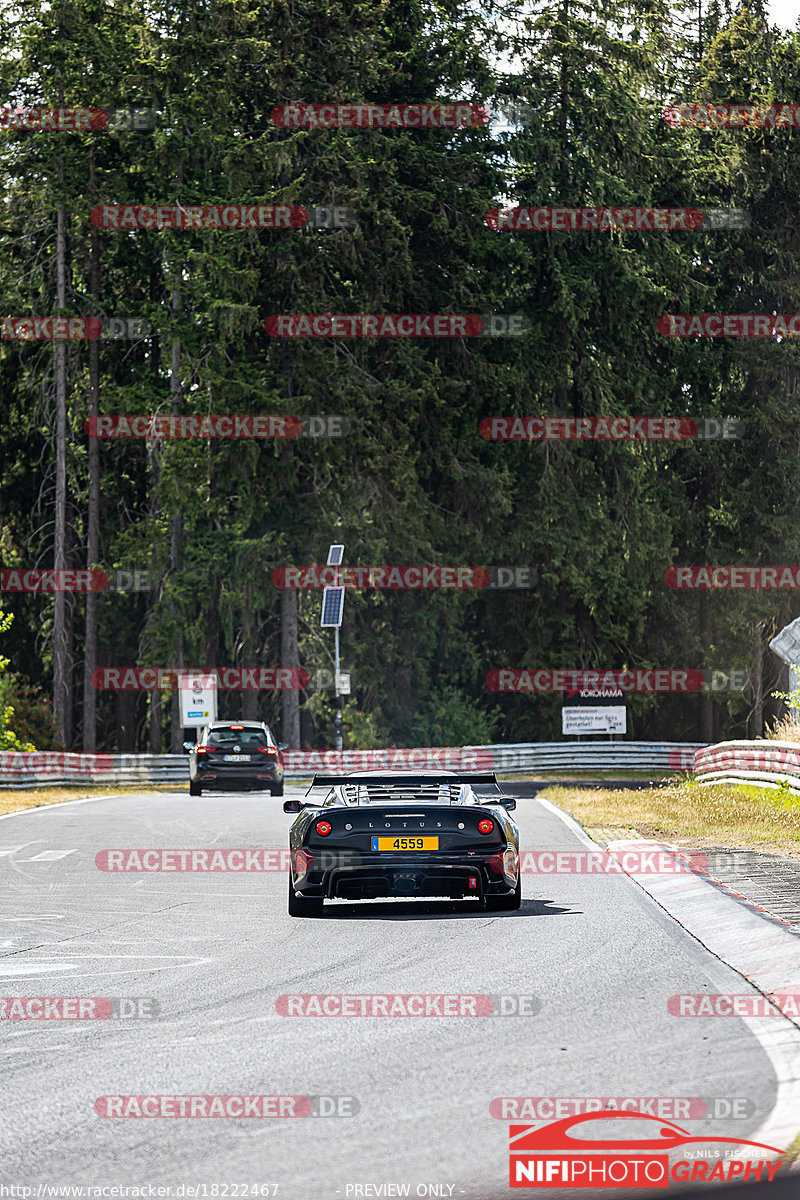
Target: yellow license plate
[(405, 843)]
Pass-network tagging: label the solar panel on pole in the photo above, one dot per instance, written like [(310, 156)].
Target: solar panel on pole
[(786, 645), (335, 556), (332, 607)]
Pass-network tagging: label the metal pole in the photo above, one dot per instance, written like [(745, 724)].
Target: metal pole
[(794, 689), (338, 717)]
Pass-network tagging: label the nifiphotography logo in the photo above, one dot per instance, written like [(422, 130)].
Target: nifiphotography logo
[(571, 1153)]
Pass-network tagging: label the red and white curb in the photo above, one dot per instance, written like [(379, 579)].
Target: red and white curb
[(762, 948), (765, 949)]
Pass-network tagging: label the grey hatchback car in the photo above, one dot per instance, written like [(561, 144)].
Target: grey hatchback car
[(235, 756)]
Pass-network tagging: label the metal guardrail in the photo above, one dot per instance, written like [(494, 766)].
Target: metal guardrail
[(54, 767), (769, 764), (510, 757)]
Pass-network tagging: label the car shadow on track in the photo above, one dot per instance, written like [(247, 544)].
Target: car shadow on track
[(434, 910)]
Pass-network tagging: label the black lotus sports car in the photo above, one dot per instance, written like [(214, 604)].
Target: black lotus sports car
[(405, 835)]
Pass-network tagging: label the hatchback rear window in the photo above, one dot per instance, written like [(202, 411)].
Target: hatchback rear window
[(242, 737)]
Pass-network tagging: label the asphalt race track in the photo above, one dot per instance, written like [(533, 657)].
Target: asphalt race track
[(216, 950)]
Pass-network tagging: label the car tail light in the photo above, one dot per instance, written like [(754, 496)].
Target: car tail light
[(267, 749), (303, 861), (485, 826), (497, 864), (510, 863), (324, 828), (202, 750), (236, 727)]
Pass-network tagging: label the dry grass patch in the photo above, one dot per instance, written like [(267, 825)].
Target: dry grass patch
[(743, 817)]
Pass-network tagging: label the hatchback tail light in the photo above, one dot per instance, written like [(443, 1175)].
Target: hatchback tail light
[(323, 828), (267, 749), (485, 826), (202, 750)]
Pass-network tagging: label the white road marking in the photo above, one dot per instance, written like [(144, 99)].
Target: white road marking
[(49, 856), (80, 968), (9, 970), (45, 808), (36, 917)]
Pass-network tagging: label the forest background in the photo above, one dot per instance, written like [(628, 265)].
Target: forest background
[(577, 93)]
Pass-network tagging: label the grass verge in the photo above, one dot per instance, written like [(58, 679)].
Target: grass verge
[(743, 817)]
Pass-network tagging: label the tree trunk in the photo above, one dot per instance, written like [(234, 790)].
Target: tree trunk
[(176, 534), (92, 517), (250, 697), (176, 729), (156, 698), (155, 722), (290, 700), (126, 721), (62, 666), (706, 698), (757, 720)]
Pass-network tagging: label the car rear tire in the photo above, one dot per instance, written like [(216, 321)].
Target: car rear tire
[(506, 903), (277, 789), (195, 789), (303, 906)]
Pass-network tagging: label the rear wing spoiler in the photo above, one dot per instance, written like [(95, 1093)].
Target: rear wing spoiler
[(408, 780), (403, 781)]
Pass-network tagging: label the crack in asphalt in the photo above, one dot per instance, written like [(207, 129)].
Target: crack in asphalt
[(90, 932)]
